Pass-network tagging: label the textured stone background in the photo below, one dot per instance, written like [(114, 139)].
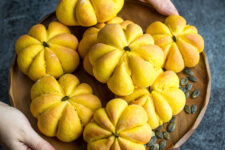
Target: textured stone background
[(17, 16)]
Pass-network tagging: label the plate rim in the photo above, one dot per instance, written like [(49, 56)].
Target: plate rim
[(185, 137)]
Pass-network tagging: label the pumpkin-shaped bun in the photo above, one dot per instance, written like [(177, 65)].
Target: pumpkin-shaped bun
[(90, 38), (124, 57), (62, 107), (87, 12), (49, 51), (180, 42), (119, 126), (164, 101)]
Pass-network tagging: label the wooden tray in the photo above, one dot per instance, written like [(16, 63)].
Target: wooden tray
[(142, 14)]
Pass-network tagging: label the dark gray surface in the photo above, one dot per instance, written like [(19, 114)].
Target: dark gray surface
[(17, 16)]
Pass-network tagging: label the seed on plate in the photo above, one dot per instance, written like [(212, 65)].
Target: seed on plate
[(171, 127), (188, 71), (166, 135), (162, 144), (192, 78), (159, 127), (159, 134), (183, 89), (195, 94), (187, 94), (173, 119), (189, 86), (184, 81), (153, 133), (194, 109), (187, 109), (152, 141), (154, 147)]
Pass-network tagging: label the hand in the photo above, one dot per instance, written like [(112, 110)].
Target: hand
[(164, 7), (16, 132)]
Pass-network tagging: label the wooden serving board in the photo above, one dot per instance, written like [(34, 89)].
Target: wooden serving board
[(142, 14)]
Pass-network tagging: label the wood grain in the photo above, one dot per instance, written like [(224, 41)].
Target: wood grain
[(142, 14)]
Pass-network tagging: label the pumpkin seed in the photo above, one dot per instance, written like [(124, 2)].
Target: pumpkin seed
[(187, 94), (153, 133), (192, 78), (159, 127), (189, 86), (187, 109), (171, 127), (183, 89), (174, 38), (195, 94), (152, 141), (45, 44), (116, 135), (162, 144), (184, 81), (166, 135), (194, 109), (65, 98), (159, 134), (188, 71), (154, 147), (173, 119), (127, 48), (150, 89)]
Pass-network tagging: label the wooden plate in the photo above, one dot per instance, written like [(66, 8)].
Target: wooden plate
[(143, 15)]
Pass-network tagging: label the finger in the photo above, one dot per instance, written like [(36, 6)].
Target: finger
[(164, 7), (35, 142), (17, 146), (143, 1), (3, 104)]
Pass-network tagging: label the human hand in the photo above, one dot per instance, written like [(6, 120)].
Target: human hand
[(164, 7), (16, 132)]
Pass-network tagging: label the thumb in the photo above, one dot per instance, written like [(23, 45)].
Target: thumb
[(164, 7), (35, 142)]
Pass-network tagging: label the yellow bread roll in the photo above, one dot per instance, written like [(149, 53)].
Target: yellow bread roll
[(62, 107), (162, 101), (180, 42), (119, 126), (49, 51), (87, 12)]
